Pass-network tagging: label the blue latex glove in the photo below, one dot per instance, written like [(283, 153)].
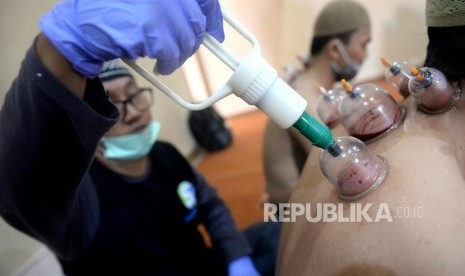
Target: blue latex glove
[(89, 32), (242, 267)]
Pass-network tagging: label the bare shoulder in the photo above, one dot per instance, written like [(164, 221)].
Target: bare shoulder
[(412, 224)]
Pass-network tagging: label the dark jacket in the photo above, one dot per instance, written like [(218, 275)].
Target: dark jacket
[(94, 220)]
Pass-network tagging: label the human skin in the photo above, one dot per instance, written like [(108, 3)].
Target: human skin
[(120, 89), (357, 177), (426, 168)]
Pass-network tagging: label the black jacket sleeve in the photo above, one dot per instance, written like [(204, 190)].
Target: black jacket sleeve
[(48, 139), (219, 223), (213, 212)]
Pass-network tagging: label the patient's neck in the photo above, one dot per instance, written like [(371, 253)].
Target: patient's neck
[(320, 71)]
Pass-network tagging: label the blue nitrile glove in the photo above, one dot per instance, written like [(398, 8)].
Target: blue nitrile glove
[(242, 267), (89, 32)]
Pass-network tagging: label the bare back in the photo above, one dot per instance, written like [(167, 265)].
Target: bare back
[(424, 191)]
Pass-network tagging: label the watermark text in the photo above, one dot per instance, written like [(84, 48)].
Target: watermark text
[(337, 212)]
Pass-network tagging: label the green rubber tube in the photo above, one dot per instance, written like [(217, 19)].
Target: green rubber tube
[(319, 134)]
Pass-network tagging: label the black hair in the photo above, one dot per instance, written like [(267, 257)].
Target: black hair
[(319, 42), (446, 51)]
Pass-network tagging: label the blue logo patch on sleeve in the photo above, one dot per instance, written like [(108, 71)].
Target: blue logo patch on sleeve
[(186, 193)]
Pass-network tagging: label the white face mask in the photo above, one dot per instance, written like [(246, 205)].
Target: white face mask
[(351, 69), (132, 146)]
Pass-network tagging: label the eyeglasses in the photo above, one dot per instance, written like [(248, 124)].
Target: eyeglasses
[(141, 101)]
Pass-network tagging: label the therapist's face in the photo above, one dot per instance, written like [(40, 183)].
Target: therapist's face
[(133, 104)]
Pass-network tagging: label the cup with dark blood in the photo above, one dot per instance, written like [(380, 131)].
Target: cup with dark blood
[(368, 112), (356, 172)]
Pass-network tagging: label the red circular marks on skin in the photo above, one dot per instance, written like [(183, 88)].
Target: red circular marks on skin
[(359, 175)]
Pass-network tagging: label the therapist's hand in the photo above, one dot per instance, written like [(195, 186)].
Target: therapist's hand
[(89, 32), (242, 267)]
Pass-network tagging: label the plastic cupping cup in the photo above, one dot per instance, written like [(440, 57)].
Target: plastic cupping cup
[(369, 112), (398, 75), (356, 172), (431, 90), (328, 104)]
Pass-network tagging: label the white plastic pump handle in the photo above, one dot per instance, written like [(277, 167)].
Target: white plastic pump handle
[(216, 48), (253, 80)]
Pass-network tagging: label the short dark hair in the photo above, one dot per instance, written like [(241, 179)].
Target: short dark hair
[(446, 51), (319, 42)]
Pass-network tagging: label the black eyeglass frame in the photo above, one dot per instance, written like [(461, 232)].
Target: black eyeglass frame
[(131, 97)]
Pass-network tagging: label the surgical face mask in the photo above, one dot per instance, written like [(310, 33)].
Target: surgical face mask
[(132, 146), (350, 71)]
